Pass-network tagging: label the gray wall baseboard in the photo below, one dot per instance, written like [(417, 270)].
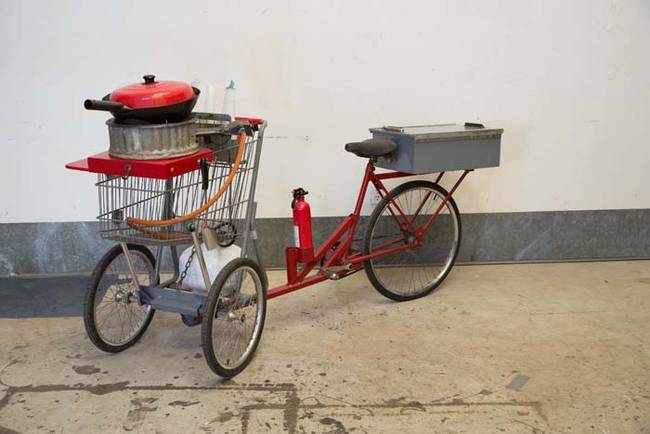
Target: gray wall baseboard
[(70, 247)]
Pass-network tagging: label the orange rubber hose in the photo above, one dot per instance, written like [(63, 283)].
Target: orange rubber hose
[(208, 204)]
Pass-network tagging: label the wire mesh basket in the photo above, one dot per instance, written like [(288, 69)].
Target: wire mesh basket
[(125, 198)]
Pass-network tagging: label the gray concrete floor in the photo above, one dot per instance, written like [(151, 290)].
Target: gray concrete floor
[(498, 348)]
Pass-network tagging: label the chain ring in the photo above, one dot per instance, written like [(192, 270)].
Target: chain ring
[(226, 234)]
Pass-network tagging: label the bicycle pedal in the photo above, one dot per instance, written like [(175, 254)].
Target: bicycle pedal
[(333, 276), (334, 273), (191, 321)]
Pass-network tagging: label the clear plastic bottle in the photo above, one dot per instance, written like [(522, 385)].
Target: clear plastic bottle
[(210, 101), (229, 100)]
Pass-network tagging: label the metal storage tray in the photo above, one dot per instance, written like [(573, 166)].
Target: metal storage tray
[(439, 148)]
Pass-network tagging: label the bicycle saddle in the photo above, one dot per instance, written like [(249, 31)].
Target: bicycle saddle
[(372, 148)]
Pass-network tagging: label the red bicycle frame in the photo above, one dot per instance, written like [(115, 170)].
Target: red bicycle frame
[(344, 260)]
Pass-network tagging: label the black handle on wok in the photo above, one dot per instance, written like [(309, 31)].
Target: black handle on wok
[(107, 106)]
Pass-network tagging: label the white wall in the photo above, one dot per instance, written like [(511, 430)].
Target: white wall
[(568, 80)]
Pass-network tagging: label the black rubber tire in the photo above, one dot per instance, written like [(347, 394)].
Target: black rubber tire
[(210, 313), (373, 220), (91, 291)]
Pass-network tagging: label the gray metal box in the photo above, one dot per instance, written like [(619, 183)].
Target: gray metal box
[(439, 148)]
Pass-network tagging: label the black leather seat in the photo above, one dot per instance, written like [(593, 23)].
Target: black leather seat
[(372, 148)]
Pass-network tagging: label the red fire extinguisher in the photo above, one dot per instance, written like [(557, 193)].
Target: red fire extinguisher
[(302, 226)]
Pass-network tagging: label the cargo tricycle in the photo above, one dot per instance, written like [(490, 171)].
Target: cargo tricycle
[(206, 200)]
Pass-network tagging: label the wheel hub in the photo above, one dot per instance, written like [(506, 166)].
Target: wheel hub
[(232, 316), (409, 237), (119, 296), (124, 297)]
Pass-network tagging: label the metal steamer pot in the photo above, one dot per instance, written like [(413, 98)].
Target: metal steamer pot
[(153, 141), (152, 119)]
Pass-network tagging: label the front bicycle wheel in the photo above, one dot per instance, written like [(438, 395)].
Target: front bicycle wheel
[(233, 317), (113, 316), (414, 272)]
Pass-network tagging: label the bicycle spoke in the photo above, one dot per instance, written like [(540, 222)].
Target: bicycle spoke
[(414, 270), (119, 321), (236, 321)]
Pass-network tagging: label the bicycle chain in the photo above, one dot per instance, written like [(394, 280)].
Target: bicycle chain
[(187, 266)]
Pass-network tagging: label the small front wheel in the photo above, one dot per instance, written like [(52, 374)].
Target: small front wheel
[(416, 271), (233, 317), (113, 315)]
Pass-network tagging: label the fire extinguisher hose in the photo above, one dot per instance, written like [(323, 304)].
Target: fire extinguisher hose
[(208, 204)]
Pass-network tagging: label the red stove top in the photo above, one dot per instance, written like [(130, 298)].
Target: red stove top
[(159, 169)]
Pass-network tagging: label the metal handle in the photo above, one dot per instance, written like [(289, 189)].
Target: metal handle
[(106, 106), (204, 174)]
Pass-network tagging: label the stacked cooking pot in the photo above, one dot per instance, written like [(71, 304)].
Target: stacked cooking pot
[(151, 120)]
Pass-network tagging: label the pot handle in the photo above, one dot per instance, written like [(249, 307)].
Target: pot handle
[(107, 106), (196, 91), (203, 164)]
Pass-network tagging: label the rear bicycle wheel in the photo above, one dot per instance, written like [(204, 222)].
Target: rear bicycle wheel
[(233, 318), (113, 316), (415, 272)]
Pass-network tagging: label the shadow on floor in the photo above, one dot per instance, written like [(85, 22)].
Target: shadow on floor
[(38, 297)]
